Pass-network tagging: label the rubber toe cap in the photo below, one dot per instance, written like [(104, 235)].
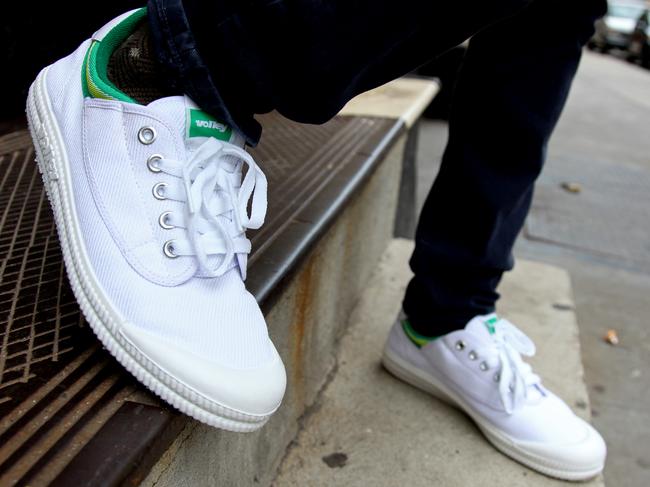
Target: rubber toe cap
[(578, 459), (254, 391)]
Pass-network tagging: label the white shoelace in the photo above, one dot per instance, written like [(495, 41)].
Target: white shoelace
[(214, 197), (515, 376)]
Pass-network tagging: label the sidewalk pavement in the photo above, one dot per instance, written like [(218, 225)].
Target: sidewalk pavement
[(371, 429)]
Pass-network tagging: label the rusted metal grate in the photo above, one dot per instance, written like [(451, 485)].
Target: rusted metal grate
[(56, 385), (59, 391), (40, 317)]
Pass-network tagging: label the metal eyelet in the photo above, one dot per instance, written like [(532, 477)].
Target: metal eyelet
[(473, 355), (460, 345), (151, 162), (168, 249), (162, 220), (159, 191), (483, 366), (147, 135), (496, 377)]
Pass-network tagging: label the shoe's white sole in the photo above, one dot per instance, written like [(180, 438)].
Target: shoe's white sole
[(407, 372), (103, 319)]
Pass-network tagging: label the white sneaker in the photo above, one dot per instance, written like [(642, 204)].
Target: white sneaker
[(151, 212), (479, 370)]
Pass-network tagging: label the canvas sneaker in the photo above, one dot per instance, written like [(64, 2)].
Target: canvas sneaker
[(151, 210), (479, 369)]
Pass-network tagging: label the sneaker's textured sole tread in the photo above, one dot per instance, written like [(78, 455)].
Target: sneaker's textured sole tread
[(53, 165), (403, 370)]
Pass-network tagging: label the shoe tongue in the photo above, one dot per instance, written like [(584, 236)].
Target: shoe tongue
[(196, 125), (483, 325)]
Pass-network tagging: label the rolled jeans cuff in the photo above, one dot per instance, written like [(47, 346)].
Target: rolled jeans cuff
[(177, 51)]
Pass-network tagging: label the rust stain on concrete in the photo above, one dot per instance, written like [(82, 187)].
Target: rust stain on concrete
[(302, 309)]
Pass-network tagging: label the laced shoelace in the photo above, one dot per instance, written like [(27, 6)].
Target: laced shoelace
[(515, 376), (214, 197)]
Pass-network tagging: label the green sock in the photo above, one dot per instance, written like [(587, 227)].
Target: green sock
[(417, 339)]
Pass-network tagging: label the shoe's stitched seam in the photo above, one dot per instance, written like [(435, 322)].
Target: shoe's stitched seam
[(189, 269), (171, 278), (140, 190), (114, 231), (143, 269)]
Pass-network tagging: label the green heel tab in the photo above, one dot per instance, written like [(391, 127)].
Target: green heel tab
[(94, 76)]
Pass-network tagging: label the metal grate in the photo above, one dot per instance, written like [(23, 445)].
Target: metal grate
[(40, 319), (52, 372)]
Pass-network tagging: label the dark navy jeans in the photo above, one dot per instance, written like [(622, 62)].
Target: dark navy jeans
[(307, 58)]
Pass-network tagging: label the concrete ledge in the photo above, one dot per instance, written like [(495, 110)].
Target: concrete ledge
[(403, 98), (375, 430)]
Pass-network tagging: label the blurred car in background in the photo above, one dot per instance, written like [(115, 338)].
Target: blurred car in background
[(615, 29), (638, 49)]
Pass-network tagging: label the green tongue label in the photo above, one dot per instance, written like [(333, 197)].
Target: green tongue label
[(200, 124), (490, 324)]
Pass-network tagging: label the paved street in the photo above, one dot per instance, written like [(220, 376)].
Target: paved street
[(601, 235)]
